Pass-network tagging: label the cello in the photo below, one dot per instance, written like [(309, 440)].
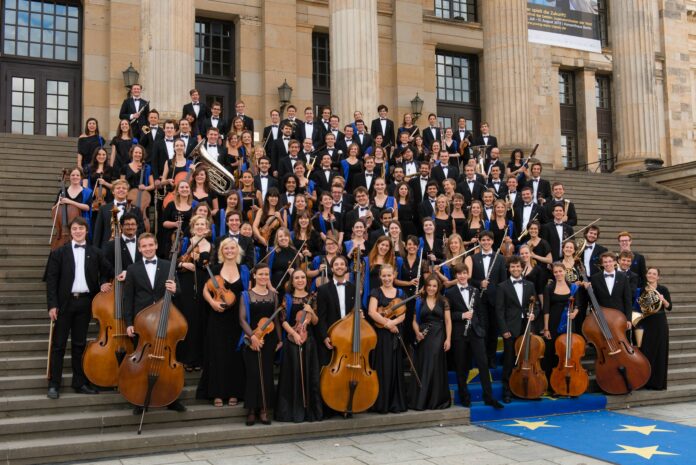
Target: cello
[(104, 355), (62, 214), (528, 380), (569, 378), (620, 367), (348, 384), (151, 376)]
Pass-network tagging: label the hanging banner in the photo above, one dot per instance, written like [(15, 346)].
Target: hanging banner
[(564, 23)]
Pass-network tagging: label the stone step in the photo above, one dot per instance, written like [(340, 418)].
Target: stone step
[(681, 375), (45, 197), (674, 394)]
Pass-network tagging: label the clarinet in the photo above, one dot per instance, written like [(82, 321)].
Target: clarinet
[(424, 332), (470, 307)]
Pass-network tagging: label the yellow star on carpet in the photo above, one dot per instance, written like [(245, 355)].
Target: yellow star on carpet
[(532, 425), (645, 430), (645, 452)]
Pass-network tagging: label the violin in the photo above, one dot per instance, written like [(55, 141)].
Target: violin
[(62, 214), (528, 380), (620, 367), (272, 223), (216, 287), (188, 256), (348, 383), (99, 194), (104, 355), (569, 378), (265, 326), (396, 308), (323, 277), (151, 376), (301, 317), (507, 248)]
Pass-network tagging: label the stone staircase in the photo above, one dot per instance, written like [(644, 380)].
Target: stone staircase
[(34, 429)]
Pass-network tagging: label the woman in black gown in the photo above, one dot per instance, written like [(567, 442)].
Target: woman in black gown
[(222, 379), (121, 145), (192, 278), (100, 176), (282, 259), (409, 282), (256, 303), (406, 211), (556, 299), (429, 355), (300, 359), (655, 345), (180, 208), (443, 221), (327, 221), (386, 359), (88, 142), (475, 224)]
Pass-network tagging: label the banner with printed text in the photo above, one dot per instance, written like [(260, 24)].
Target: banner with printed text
[(564, 23)]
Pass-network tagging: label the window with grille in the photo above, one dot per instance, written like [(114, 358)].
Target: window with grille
[(464, 10), (603, 19), (321, 71), (569, 120), (213, 48), (456, 78), (604, 123)]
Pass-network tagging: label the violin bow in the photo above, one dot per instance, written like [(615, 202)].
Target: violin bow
[(299, 251), (490, 265)]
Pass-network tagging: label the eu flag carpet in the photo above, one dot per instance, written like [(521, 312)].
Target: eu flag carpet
[(608, 436)]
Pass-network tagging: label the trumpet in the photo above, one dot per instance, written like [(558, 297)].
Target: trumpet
[(219, 179)]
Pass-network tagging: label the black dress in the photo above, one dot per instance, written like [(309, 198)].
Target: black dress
[(133, 177), (122, 157), (86, 147), (408, 273), (498, 233), (261, 306), (470, 233), (314, 244), (407, 219), (279, 267), (386, 360), (460, 226), (655, 344), (443, 227), (223, 369), (290, 401), (554, 304), (195, 309), (337, 223), (430, 360), (171, 213)]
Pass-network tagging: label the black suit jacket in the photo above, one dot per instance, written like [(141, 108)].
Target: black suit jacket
[(543, 189), (190, 144), (272, 182), (572, 216), (468, 136), (286, 167), (367, 141), (438, 173), (425, 209), (548, 232), (497, 275), (159, 156), (502, 189), (508, 310), (278, 153), (428, 138), (319, 178), (360, 180), (388, 136), (148, 141), (479, 322), (537, 211), (638, 267), (329, 309), (128, 108), (102, 225), (352, 216), (248, 122), (267, 132), (317, 133), (595, 266), (60, 274), (223, 126), (126, 260), (492, 142), (416, 193), (203, 113), (471, 195), (343, 145), (137, 291), (620, 297)]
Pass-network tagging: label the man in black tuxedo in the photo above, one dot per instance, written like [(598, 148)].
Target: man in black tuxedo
[(291, 111), (495, 182), (325, 118), (196, 107), (362, 137), (308, 129), (365, 178), (512, 311), (486, 274), (362, 209), (128, 248), (272, 130), (335, 300), (485, 138), (323, 175), (558, 199), (470, 187), (145, 283), (264, 181), (155, 134), (385, 217), (75, 273), (163, 149), (287, 164), (540, 187), (556, 232), (348, 139), (624, 266), (187, 136), (334, 128), (513, 195), (469, 326), (240, 108), (215, 121), (134, 109), (527, 211), (612, 288), (488, 199), (432, 133), (419, 184), (494, 160), (342, 201), (383, 126), (426, 209), (592, 252), (281, 146), (445, 170), (246, 244), (638, 265), (102, 225), (462, 134)]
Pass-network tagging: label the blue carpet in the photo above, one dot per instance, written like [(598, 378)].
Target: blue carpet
[(608, 436)]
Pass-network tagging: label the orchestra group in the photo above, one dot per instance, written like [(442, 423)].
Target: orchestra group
[(333, 268)]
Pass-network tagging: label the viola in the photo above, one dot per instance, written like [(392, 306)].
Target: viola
[(569, 378), (188, 256), (528, 380), (348, 383), (151, 376), (620, 367), (99, 195), (104, 355), (396, 308), (218, 291), (141, 198), (265, 326), (272, 223), (301, 318), (62, 216)]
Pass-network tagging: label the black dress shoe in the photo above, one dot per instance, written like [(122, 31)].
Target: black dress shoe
[(137, 410), (251, 419), (86, 389), (466, 401), (263, 417), (176, 406), (53, 393), (507, 399), (492, 364), (495, 404)]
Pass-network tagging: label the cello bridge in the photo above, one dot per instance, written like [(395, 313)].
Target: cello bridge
[(157, 357), (614, 352), (349, 365)]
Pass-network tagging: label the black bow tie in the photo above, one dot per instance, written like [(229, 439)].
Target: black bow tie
[(136, 99), (363, 209), (424, 179), (536, 179), (274, 125), (496, 182), (263, 176), (516, 281), (286, 138), (463, 289), (212, 145), (589, 247), (127, 241), (121, 204), (183, 136), (214, 118), (308, 123), (234, 236), (470, 181), (489, 255), (368, 175), (151, 262), (154, 128), (195, 103), (169, 140), (527, 205), (608, 275), (340, 284), (78, 246)]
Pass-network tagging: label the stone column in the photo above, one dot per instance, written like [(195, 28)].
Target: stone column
[(407, 24), (633, 53), (167, 60), (587, 117), (506, 71), (354, 57)]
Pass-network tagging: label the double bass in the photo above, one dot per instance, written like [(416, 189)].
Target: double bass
[(62, 214), (104, 355), (620, 367), (348, 383), (151, 376), (528, 380), (569, 378)]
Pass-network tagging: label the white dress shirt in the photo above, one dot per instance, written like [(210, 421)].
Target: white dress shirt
[(341, 291), (309, 129), (383, 122), (464, 291), (136, 102), (130, 246), (170, 147), (212, 150), (79, 285), (519, 289), (610, 279), (587, 255), (151, 269), (526, 215), (559, 231), (535, 186)]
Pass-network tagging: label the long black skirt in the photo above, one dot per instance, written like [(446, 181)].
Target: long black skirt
[(655, 347), (386, 360), (290, 402), (431, 364), (254, 396)]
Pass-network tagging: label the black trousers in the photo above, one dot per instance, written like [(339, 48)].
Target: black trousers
[(463, 349), (508, 362), (492, 330), (73, 321)]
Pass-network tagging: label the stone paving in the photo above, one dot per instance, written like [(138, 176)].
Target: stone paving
[(427, 446)]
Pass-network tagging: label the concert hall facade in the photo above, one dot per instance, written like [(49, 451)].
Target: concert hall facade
[(633, 99)]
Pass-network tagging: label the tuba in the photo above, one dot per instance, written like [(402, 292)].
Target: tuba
[(219, 179)]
